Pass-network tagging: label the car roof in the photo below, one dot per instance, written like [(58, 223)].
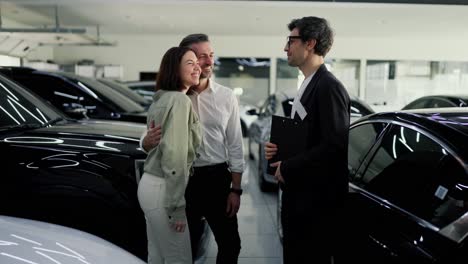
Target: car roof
[(448, 96), (449, 124)]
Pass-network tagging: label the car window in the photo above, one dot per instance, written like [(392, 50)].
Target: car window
[(121, 88), (361, 139), (107, 94), (19, 107), (436, 103), (417, 174), (63, 95), (418, 104), (51, 90)]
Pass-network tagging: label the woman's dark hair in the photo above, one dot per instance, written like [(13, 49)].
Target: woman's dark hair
[(169, 70), (314, 28)]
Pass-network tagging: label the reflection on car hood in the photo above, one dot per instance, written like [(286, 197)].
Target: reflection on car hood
[(139, 117), (87, 135), (98, 128), (27, 241)]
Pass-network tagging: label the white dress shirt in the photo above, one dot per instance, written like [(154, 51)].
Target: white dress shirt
[(218, 111), (297, 106)]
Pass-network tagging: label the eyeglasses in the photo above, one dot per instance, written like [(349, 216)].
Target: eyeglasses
[(289, 38)]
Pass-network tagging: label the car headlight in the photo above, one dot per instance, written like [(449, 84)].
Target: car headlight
[(139, 169)]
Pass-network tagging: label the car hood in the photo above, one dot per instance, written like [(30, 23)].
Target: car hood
[(29, 241), (88, 135), (134, 117), (98, 128)]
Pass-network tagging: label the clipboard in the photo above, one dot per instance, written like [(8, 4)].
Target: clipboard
[(290, 136)]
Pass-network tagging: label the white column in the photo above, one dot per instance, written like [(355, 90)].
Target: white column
[(273, 65), (362, 79)]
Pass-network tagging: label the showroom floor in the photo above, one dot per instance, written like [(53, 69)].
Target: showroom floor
[(257, 224)]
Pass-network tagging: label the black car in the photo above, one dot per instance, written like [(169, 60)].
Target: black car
[(143, 88), (408, 190), (126, 91), (82, 174), (438, 101), (75, 94)]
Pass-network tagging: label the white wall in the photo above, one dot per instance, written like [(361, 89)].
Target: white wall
[(143, 53), (9, 61), (41, 53)]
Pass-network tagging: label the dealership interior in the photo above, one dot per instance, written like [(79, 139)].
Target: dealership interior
[(391, 56)]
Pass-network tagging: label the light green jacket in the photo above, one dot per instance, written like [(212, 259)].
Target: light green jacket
[(173, 157)]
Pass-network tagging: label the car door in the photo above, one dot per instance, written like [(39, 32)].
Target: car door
[(402, 187), (362, 138)]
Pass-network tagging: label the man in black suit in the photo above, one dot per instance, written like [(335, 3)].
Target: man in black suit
[(315, 182)]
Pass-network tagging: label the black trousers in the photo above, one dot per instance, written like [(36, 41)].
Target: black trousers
[(310, 237), (206, 196)]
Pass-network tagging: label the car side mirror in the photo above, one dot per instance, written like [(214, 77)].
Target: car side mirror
[(76, 111)]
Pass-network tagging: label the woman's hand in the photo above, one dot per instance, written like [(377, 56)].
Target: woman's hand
[(179, 226)]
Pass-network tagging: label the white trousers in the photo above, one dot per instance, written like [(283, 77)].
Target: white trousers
[(165, 245)]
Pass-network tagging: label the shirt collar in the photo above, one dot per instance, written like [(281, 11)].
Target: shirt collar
[(212, 88)]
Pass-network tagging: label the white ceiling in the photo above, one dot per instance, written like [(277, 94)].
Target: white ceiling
[(262, 18)]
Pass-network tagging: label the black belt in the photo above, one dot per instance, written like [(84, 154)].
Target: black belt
[(209, 168)]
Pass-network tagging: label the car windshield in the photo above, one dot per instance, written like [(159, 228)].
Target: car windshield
[(117, 99), (123, 89), (19, 108)]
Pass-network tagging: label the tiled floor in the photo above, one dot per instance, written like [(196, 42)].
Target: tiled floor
[(257, 225)]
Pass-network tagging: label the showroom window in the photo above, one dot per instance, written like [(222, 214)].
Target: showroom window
[(417, 174), (289, 79), (248, 77), (391, 85)]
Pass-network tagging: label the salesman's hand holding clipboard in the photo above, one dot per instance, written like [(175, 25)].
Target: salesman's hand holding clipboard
[(270, 151), (288, 138)]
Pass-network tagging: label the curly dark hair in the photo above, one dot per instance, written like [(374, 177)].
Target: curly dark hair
[(314, 28)]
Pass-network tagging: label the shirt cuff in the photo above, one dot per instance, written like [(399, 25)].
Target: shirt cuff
[(239, 168)]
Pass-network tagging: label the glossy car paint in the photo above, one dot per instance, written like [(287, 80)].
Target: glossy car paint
[(68, 91), (437, 101), (28, 241), (434, 229), (82, 174)]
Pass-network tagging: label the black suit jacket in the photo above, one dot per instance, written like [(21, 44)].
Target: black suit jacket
[(317, 179)]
